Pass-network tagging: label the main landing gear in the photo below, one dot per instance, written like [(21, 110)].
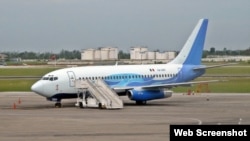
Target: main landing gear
[(141, 102), (58, 104)]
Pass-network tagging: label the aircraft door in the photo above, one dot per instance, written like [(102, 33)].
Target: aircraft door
[(72, 78)]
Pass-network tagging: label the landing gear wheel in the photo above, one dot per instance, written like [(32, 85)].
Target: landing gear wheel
[(101, 106), (141, 102), (80, 105), (58, 105)]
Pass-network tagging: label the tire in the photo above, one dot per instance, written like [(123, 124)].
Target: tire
[(58, 105), (141, 102), (80, 105)]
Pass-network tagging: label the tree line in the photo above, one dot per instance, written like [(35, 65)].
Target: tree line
[(225, 51), (64, 54), (76, 54)]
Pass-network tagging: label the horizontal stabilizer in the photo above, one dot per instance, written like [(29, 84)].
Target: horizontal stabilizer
[(213, 66)]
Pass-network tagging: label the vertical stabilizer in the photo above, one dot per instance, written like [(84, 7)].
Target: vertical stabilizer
[(191, 52)]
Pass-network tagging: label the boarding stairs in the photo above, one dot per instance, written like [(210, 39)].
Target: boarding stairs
[(106, 97)]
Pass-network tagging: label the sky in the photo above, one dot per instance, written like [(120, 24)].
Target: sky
[(55, 25)]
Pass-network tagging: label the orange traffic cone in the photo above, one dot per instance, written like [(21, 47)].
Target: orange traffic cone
[(14, 106), (189, 92), (19, 101)]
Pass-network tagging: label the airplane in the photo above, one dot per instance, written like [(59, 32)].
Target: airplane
[(140, 83)]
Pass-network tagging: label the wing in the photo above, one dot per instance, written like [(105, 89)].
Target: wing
[(170, 85)]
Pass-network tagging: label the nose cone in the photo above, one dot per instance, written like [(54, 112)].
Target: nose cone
[(38, 88)]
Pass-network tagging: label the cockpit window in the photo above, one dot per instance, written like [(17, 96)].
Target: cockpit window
[(50, 78), (45, 78)]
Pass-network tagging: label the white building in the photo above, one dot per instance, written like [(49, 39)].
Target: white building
[(138, 53), (109, 53), (171, 55), (88, 54), (161, 56), (103, 53), (3, 57), (151, 55), (142, 53)]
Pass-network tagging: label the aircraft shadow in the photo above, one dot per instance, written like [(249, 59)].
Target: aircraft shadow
[(72, 105)]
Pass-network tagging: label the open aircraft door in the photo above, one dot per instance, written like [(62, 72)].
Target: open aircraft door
[(72, 78)]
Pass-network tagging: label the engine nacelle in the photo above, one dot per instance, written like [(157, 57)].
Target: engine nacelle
[(148, 94)]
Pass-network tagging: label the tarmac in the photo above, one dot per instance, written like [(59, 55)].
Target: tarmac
[(28, 116)]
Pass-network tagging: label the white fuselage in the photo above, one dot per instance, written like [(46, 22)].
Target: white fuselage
[(62, 81)]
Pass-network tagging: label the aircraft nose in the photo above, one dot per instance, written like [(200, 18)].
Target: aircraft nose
[(37, 88)]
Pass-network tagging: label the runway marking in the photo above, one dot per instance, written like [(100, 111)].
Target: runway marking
[(240, 121), (196, 119)]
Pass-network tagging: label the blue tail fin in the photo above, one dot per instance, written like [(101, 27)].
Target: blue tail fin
[(191, 52)]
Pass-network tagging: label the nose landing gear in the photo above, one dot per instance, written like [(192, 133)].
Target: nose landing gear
[(58, 104)]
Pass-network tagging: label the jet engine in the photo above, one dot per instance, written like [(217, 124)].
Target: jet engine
[(148, 94)]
